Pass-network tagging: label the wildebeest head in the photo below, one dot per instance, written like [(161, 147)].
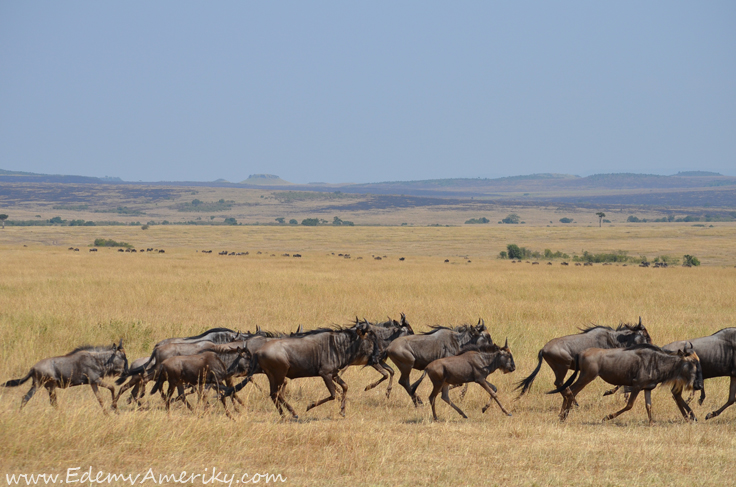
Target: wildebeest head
[(507, 360), (117, 363), (241, 364), (633, 334), (406, 325), (481, 326), (690, 375)]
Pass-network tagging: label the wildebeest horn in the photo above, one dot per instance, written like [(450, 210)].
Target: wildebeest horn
[(640, 321), (258, 328), (121, 343), (506, 345)]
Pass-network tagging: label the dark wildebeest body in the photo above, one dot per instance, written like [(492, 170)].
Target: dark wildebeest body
[(193, 370), (473, 364), (418, 351), (84, 365), (717, 354), (560, 353), (317, 353), (641, 367)]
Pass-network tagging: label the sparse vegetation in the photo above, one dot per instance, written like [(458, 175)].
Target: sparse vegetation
[(690, 260), (108, 242), (566, 220), (310, 222), (198, 205), (513, 218), (473, 221)]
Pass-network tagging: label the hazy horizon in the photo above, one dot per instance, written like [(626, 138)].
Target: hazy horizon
[(362, 93)]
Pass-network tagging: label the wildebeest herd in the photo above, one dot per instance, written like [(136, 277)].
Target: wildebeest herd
[(451, 357)]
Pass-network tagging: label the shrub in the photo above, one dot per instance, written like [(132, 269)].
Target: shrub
[(478, 220), (293, 222), (310, 222), (231, 221), (108, 242), (514, 251), (690, 260), (565, 220), (513, 218), (144, 227)]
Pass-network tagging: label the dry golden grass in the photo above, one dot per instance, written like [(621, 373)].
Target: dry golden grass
[(52, 300)]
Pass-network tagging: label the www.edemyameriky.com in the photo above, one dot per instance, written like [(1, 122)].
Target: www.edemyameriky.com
[(75, 475)]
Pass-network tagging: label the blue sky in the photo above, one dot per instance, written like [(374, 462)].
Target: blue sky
[(366, 91)]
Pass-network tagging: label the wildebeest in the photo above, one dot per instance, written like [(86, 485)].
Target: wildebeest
[(385, 333), (640, 367), (316, 353), (560, 352), (417, 351), (717, 354), (202, 369), (473, 364), (83, 365)]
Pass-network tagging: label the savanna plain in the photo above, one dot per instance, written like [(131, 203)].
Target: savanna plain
[(53, 300)]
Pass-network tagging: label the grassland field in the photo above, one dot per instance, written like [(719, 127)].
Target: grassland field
[(53, 299)]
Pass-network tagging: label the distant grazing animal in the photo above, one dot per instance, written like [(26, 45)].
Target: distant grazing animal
[(418, 351), (83, 365), (641, 368), (401, 258), (447, 260), (560, 352), (473, 364), (93, 250)]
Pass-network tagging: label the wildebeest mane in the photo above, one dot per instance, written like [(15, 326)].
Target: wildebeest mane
[(323, 329), (436, 328), (212, 330), (89, 348), (627, 326), (594, 327)]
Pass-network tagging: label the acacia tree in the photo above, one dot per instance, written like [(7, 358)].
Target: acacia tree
[(600, 216), (3, 217)]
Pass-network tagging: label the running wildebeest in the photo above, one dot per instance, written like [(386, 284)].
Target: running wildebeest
[(385, 333), (202, 369), (473, 364), (640, 368), (323, 352), (83, 365), (717, 354), (417, 351), (560, 352)]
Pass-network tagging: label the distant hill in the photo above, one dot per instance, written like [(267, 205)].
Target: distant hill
[(265, 180)]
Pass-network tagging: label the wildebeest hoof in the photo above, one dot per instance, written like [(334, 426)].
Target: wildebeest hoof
[(342, 413), (709, 416), (509, 415), (310, 406)]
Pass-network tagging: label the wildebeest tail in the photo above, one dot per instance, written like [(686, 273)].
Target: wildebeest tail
[(134, 371), (571, 379), (17, 382), (416, 384), (159, 383), (525, 384)]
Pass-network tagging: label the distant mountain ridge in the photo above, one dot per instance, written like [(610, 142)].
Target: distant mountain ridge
[(545, 187)]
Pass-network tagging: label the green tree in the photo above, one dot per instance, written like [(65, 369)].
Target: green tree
[(600, 216), (293, 222), (514, 251), (3, 217), (310, 222), (565, 220), (231, 221), (690, 261), (337, 221), (280, 220), (512, 218)]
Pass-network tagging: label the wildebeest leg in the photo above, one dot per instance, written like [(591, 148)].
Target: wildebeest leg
[(612, 391), (167, 397), (330, 387), (683, 406), (97, 395), (229, 383), (281, 398), (648, 402), (275, 386), (446, 398), (567, 397), (489, 389), (629, 405), (433, 397), (30, 394), (344, 386), (405, 382), (183, 396), (731, 400), (385, 374), (51, 389)]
